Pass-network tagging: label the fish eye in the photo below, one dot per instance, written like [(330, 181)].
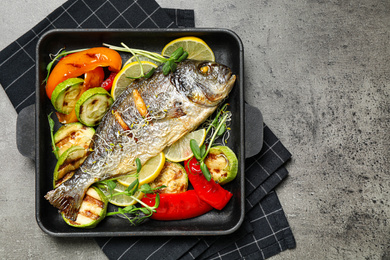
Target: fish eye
[(205, 69)]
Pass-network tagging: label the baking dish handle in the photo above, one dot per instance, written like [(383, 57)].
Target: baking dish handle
[(25, 131), (253, 130)]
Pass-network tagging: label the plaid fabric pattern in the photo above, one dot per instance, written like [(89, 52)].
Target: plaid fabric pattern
[(265, 231), (19, 57)]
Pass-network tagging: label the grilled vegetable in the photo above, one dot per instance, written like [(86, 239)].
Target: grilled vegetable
[(93, 105), (177, 206), (78, 63), (93, 210), (209, 191), (173, 176), (178, 103), (71, 135), (64, 96), (68, 162), (222, 164)]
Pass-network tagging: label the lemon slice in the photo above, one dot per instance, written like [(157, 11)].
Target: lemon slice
[(181, 150), (148, 173), (121, 200), (141, 58), (133, 69), (197, 49)]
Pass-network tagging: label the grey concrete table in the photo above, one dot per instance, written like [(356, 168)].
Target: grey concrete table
[(320, 73)]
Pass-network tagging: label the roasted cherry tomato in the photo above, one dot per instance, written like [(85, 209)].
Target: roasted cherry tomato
[(176, 206), (209, 191), (78, 63)]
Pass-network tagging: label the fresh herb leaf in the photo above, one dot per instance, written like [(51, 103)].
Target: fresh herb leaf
[(51, 124), (173, 66), (221, 130), (177, 53), (133, 187), (195, 149), (169, 64), (150, 73), (166, 68), (205, 171), (139, 165), (202, 150)]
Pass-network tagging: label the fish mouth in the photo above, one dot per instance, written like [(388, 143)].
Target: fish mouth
[(230, 82)]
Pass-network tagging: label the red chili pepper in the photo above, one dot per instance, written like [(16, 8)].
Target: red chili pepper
[(177, 206), (107, 84), (209, 191)]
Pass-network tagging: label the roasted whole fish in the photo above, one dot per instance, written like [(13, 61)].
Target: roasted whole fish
[(175, 105)]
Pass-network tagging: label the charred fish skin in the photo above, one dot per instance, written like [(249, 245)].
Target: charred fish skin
[(176, 104)]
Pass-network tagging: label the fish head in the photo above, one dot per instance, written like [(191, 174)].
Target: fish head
[(204, 82)]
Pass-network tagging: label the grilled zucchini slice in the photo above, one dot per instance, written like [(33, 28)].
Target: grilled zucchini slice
[(68, 163), (93, 209), (222, 164), (93, 105), (173, 176), (64, 96), (73, 134)]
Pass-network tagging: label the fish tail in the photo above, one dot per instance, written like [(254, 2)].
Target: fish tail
[(65, 202), (68, 196)]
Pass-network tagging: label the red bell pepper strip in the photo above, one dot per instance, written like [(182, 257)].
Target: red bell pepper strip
[(107, 84), (176, 206), (209, 191)]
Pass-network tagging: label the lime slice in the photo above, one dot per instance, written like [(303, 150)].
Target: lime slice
[(150, 170), (133, 69), (181, 150), (197, 49), (121, 200)]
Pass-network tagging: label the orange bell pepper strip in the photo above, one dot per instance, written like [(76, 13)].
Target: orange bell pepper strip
[(78, 63), (93, 78)]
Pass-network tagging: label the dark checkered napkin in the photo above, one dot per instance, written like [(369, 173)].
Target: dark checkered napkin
[(17, 61), (272, 233), (265, 231)]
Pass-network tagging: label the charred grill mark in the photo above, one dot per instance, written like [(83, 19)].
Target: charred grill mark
[(92, 55), (74, 65), (94, 201), (71, 163)]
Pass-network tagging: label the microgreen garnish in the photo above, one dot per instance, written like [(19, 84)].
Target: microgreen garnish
[(134, 214), (200, 153), (169, 64), (59, 54), (51, 124)]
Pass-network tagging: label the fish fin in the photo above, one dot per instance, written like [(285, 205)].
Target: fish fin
[(65, 201)]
